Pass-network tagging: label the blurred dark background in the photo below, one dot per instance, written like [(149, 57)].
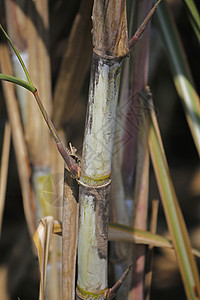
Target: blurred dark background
[(19, 275)]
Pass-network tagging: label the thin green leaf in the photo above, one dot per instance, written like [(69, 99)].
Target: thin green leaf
[(18, 56), (18, 81), (180, 70), (195, 27), (193, 11), (173, 212), (72, 165)]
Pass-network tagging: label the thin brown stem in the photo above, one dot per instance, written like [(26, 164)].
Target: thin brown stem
[(112, 292), (138, 34), (69, 236), (18, 140), (70, 163)]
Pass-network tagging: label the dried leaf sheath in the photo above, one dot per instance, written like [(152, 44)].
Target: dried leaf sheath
[(4, 169), (110, 36), (69, 236)]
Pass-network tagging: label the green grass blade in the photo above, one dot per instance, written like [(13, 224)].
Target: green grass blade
[(18, 56), (180, 70), (18, 81), (173, 212), (193, 11), (195, 28)]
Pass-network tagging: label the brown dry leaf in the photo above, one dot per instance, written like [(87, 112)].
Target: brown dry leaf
[(4, 169), (42, 239)]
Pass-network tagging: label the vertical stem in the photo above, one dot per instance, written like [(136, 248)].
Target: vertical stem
[(110, 42), (18, 140), (95, 177), (16, 26), (174, 217), (153, 227), (139, 146), (4, 169), (69, 236)]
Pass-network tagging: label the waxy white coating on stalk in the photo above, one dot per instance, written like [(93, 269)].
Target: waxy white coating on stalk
[(96, 169), (100, 126), (88, 258)]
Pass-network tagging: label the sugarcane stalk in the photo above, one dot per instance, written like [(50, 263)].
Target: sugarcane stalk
[(95, 179), (110, 45), (110, 42)]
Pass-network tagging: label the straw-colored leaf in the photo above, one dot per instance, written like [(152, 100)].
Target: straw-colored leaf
[(42, 239), (69, 236), (123, 233), (74, 66), (4, 169)]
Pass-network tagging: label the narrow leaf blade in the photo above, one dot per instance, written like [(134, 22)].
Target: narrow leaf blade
[(180, 70), (18, 56), (173, 213)]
